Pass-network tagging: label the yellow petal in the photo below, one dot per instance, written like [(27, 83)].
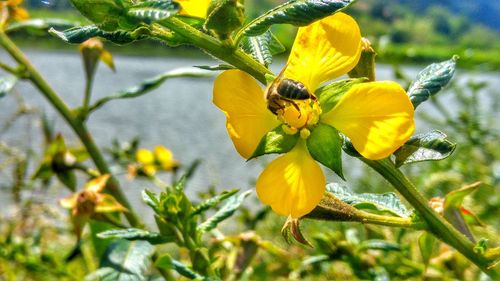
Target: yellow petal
[(292, 184), (242, 100), (194, 8), (144, 156), (98, 184), (107, 204), (376, 116), (165, 157), (324, 50), (69, 202)]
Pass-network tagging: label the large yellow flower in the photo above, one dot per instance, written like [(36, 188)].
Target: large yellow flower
[(376, 116), (194, 8)]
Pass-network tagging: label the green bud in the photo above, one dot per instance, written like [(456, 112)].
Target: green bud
[(366, 64)]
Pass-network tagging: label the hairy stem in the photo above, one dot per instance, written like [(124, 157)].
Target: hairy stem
[(76, 124), (436, 224)]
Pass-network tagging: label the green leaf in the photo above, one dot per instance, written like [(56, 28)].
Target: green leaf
[(376, 244), (151, 11), (6, 84), (215, 67), (330, 94), (424, 147), (124, 260), (40, 24), (68, 178), (275, 141), (224, 16), (134, 234), (295, 12), (258, 47), (452, 210), (212, 202), (431, 80), (105, 13), (325, 146), (166, 262), (148, 85), (81, 34), (426, 243), (150, 199), (386, 202), (223, 213)]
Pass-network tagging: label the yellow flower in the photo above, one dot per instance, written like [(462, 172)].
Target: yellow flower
[(160, 158), (194, 8), (376, 116), (90, 201)]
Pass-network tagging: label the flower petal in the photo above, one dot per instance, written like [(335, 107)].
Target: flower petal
[(242, 100), (292, 184), (324, 50), (194, 8), (376, 116)]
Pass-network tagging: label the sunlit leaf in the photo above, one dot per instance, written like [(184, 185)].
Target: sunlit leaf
[(166, 262), (431, 80), (275, 141), (134, 234), (6, 84), (386, 202), (262, 47), (151, 200), (124, 260), (40, 24), (212, 202), (77, 35), (150, 11), (424, 147), (295, 12), (223, 213)]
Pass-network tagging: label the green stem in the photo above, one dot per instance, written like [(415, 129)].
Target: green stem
[(78, 127), (214, 47), (370, 218), (8, 68), (436, 224), (86, 97)]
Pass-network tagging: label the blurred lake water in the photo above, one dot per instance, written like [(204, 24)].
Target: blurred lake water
[(179, 115)]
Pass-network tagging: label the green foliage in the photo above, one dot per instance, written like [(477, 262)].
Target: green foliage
[(382, 203), (133, 234), (424, 147), (262, 47), (224, 17), (431, 80), (124, 260), (105, 13), (34, 25), (295, 12), (212, 202), (325, 146), (151, 11), (275, 141), (330, 94), (166, 262), (78, 35)]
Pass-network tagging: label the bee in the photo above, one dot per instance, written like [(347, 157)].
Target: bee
[(284, 90)]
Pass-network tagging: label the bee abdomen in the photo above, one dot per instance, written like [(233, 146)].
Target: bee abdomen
[(293, 90)]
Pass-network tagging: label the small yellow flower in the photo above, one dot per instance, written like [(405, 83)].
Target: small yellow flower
[(11, 10), (151, 161), (194, 8), (90, 201), (376, 116)]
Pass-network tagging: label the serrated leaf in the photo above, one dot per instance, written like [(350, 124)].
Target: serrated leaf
[(212, 202), (124, 260), (40, 24), (431, 80), (275, 141), (81, 34), (151, 11), (215, 67), (325, 146), (148, 85), (134, 234), (166, 262), (375, 244), (105, 13), (426, 243), (258, 47), (330, 94), (295, 12), (6, 84), (223, 213), (386, 202), (424, 147)]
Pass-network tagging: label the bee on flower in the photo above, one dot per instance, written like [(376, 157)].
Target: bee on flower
[(307, 125)]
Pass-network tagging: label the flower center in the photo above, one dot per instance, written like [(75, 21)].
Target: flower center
[(298, 115)]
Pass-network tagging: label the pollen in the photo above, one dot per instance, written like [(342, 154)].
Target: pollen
[(299, 114)]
